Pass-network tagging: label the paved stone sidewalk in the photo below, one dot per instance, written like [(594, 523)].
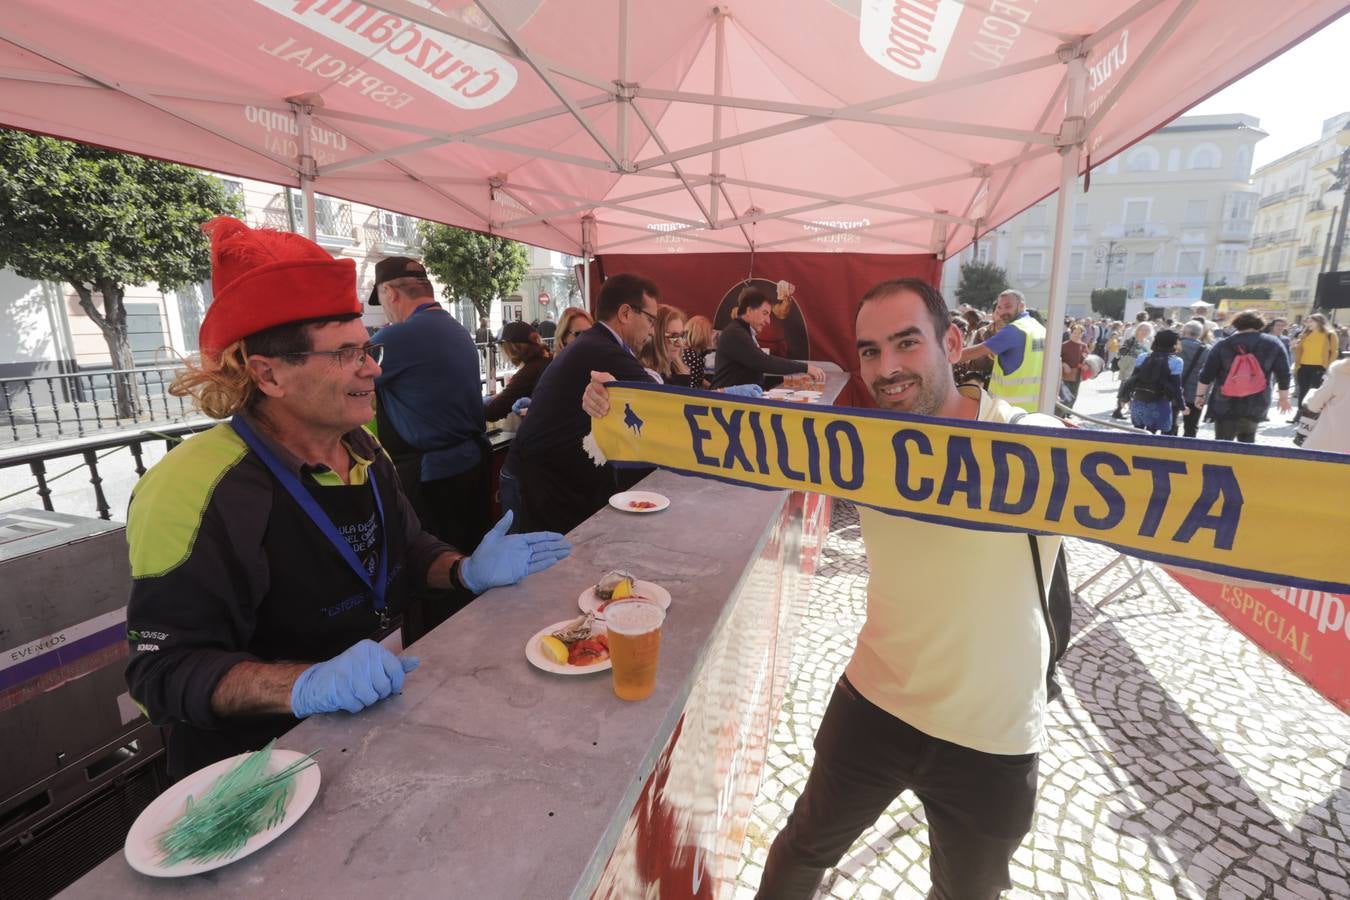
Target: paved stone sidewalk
[(1098, 398), (1183, 762)]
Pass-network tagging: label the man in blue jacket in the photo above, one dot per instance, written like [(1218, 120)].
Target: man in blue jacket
[(430, 405)]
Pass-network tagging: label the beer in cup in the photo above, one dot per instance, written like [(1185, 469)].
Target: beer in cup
[(634, 628)]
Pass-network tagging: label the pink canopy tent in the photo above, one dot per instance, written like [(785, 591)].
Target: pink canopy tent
[(591, 126)]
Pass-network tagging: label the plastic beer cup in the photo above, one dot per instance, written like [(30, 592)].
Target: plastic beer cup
[(634, 628)]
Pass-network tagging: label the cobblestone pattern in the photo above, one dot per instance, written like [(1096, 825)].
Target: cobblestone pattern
[(1182, 761), (1098, 398)]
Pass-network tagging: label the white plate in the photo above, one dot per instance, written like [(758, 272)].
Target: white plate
[(142, 846), (644, 589), (537, 658), (621, 501), (779, 393)]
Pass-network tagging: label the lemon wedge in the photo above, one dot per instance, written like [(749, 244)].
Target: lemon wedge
[(623, 590), (553, 649)]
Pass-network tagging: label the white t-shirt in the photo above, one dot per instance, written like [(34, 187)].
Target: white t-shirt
[(955, 642)]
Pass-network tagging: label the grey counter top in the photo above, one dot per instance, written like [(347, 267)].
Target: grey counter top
[(488, 777)]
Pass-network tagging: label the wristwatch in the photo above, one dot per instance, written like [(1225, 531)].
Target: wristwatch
[(453, 575)]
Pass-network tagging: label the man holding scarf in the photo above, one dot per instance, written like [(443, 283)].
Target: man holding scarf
[(946, 692)]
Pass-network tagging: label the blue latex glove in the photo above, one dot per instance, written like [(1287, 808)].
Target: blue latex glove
[(505, 559), (744, 390), (521, 404), (360, 676)]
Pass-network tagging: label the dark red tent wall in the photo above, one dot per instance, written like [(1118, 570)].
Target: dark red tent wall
[(828, 286)]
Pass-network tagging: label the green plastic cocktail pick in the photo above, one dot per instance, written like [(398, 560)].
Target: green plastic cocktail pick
[(243, 802)]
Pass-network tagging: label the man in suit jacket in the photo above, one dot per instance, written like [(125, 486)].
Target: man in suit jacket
[(558, 482), (740, 359)]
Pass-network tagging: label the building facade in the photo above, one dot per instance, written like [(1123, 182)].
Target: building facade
[(1296, 218), (1178, 204), (47, 332)]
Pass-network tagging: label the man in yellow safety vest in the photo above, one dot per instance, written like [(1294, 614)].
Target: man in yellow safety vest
[(1018, 350)]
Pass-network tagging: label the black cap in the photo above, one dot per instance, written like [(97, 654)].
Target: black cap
[(517, 332), (395, 267)]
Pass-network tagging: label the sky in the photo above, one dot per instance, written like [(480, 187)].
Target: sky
[(1292, 93)]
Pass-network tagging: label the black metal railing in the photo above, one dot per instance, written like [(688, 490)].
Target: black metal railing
[(89, 452), (52, 407)]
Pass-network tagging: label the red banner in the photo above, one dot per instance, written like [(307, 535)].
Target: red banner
[(817, 323), (1308, 631)]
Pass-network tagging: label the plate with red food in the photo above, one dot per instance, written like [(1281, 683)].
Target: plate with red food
[(639, 501), (577, 646), (618, 585)]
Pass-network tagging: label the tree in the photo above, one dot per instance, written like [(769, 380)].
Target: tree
[(1215, 293), (1109, 302), (475, 267), (980, 284), (100, 221)]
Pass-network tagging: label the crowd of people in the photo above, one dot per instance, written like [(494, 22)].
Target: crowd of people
[(1171, 375)]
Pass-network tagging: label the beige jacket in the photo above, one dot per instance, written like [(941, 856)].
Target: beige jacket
[(1332, 401)]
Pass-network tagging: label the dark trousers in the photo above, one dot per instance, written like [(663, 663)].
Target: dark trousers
[(1241, 430), (979, 805), (457, 510), (1308, 378), (1190, 422)]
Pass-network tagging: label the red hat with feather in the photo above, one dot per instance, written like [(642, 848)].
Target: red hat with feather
[(262, 278)]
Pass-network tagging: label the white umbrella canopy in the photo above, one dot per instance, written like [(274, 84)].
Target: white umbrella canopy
[(831, 125)]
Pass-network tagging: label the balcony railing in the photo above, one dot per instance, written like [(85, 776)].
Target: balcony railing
[(52, 407), (390, 232), (1135, 230), (1280, 197), (1267, 278)]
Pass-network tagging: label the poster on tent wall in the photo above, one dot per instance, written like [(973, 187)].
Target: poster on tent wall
[(815, 318), (1308, 631)]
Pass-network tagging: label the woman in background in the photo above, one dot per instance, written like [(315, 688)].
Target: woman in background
[(1134, 346), (571, 323), (664, 353), (698, 343), (1315, 349), (526, 351)]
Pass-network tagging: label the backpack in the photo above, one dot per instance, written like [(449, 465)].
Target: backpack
[(1244, 377), (1147, 379)]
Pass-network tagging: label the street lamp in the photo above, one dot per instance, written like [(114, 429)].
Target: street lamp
[(1109, 254)]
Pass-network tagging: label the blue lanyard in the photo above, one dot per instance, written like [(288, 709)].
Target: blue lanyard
[(321, 519)]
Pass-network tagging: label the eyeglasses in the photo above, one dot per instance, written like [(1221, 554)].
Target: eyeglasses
[(650, 318), (347, 357), (675, 337)]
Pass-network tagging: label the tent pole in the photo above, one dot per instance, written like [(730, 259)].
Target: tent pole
[(621, 120), (719, 68), (1070, 154), (307, 165), (587, 251)]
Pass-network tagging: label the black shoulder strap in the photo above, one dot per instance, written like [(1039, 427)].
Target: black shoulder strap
[(1190, 366), (1045, 601)]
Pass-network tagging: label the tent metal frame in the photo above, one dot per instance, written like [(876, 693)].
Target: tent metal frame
[(709, 191)]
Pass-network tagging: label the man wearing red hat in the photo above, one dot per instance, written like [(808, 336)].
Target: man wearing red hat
[(270, 553)]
